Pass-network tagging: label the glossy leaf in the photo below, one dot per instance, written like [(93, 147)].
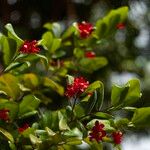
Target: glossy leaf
[(52, 84), (127, 94), (107, 25), (30, 80), (9, 84), (55, 45), (7, 134), (28, 104), (89, 65), (47, 40), (69, 32), (97, 97), (50, 119), (9, 48), (13, 35), (141, 117), (62, 122)]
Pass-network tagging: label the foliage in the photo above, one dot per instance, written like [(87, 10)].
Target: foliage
[(32, 88)]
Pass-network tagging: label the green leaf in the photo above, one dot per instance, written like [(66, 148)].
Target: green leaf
[(27, 132), (28, 114), (51, 43), (8, 48), (75, 132), (70, 30), (94, 145), (13, 65), (89, 65), (42, 57), (48, 26), (107, 25), (13, 35), (9, 84), (98, 96), (73, 141), (50, 132), (101, 115), (47, 40), (28, 104), (118, 94), (79, 53), (55, 45), (50, 119), (30, 80), (12, 146), (127, 94), (134, 92), (7, 135), (141, 117), (62, 122), (58, 54), (122, 123), (35, 140), (55, 86)]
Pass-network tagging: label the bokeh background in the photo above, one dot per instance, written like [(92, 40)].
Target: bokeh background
[(128, 52)]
